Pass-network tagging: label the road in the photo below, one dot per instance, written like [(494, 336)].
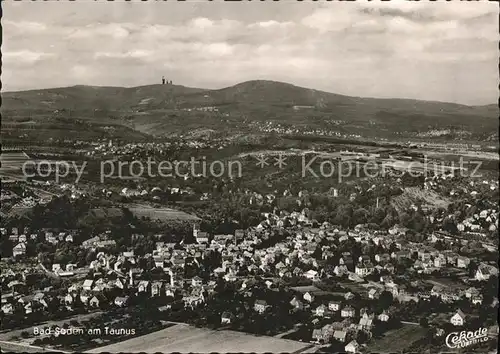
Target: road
[(25, 348), (410, 323), (7, 336)]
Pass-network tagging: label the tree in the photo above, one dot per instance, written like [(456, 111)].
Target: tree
[(385, 300), (472, 268), (424, 322)]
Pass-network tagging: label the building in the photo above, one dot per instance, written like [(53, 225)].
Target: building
[(340, 336), (196, 281), (19, 250), (463, 262), (309, 297), (202, 237), (383, 317), (312, 275), (484, 272), (334, 306), (352, 347), (121, 301), (373, 294), (458, 319), (226, 318), (87, 285), (156, 288), (260, 306), (296, 303), (347, 311)]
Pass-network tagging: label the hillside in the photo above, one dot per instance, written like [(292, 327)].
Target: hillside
[(163, 109)]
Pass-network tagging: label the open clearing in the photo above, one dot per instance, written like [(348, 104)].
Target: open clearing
[(184, 338), (162, 214), (396, 340)]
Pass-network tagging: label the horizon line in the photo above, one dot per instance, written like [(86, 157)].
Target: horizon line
[(247, 81)]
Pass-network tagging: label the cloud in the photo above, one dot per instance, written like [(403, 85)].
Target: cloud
[(120, 55), (349, 48), (25, 57)]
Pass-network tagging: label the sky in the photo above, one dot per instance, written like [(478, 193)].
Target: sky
[(442, 51)]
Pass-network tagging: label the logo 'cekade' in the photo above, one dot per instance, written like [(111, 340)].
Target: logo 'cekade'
[(466, 338)]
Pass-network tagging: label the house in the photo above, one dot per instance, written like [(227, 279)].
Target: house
[(383, 317), (156, 288), (196, 281), (119, 284), (452, 258), (373, 294), (477, 299), (340, 270), (347, 311), (296, 303), (230, 277), (439, 262), (260, 306), (87, 284), (463, 262), (143, 286), (317, 334), (484, 272), (325, 334), (363, 269), (322, 310), (226, 318), (28, 308), (121, 301), (68, 299), (159, 261), (382, 258), (8, 309), (365, 323), (19, 250), (470, 292), (309, 297), (165, 308), (349, 296), (334, 306), (84, 298), (170, 290), (202, 237), (390, 268), (352, 347), (41, 299), (340, 335), (346, 260), (458, 319), (312, 275), (94, 302)]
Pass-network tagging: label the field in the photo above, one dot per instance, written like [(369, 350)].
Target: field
[(396, 340), (162, 214), (11, 165), (412, 195), (139, 211), (184, 338)]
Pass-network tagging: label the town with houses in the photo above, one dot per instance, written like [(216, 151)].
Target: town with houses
[(315, 282), (207, 178)]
